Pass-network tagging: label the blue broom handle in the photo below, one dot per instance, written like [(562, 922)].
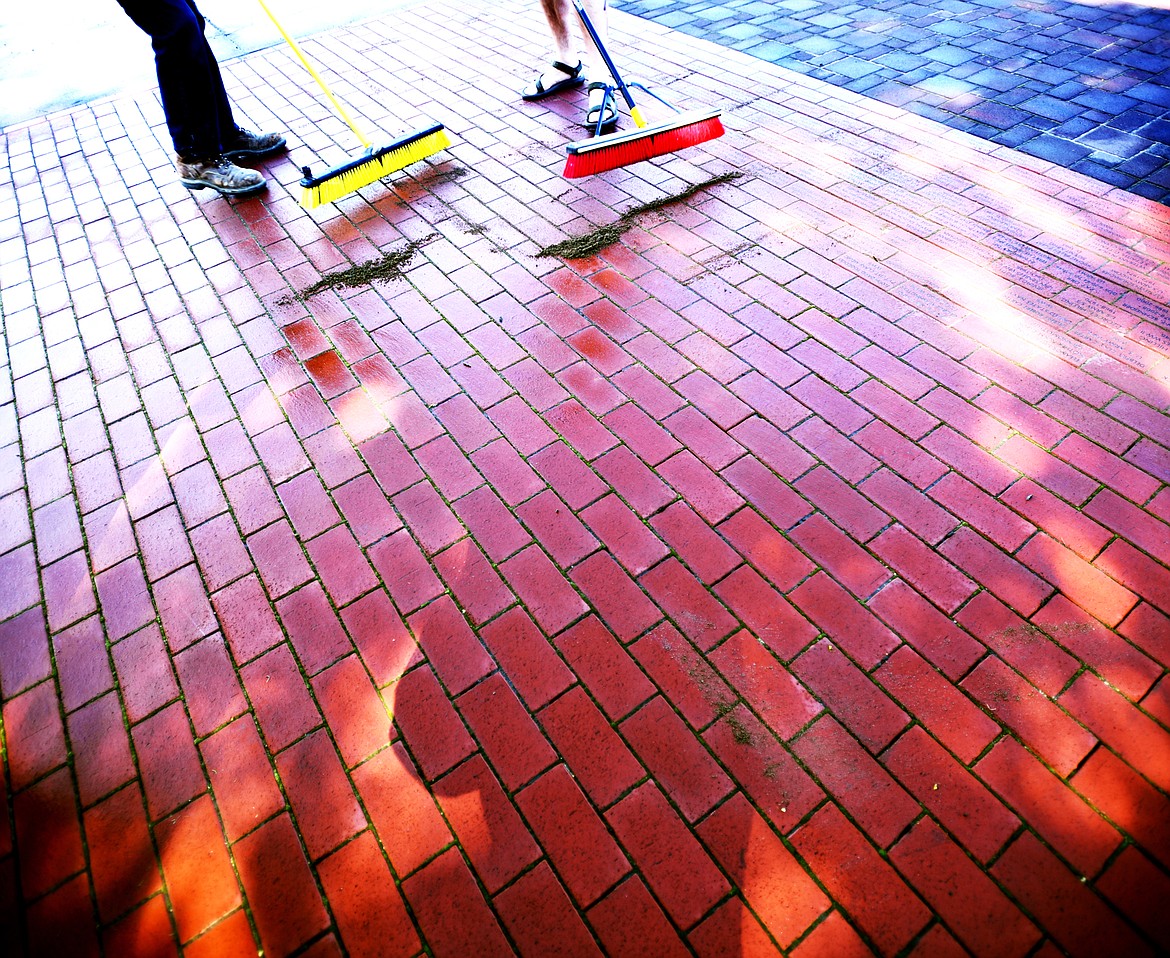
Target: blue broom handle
[(605, 56)]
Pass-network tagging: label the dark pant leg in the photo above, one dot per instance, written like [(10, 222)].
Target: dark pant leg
[(198, 114)]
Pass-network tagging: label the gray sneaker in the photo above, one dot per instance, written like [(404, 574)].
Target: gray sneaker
[(218, 173), (250, 146)]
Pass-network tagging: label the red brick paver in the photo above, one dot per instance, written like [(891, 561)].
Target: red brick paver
[(789, 576)]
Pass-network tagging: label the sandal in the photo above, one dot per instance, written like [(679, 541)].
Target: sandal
[(536, 90), (603, 117)]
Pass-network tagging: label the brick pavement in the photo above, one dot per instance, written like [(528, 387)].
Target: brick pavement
[(788, 577), (1085, 85)]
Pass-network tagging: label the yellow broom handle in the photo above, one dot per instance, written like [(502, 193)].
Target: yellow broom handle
[(313, 73)]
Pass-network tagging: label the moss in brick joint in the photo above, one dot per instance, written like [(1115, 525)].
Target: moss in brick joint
[(388, 267), (740, 732), (580, 247)]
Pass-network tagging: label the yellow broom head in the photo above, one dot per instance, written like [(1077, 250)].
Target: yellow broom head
[(371, 166), (614, 150)]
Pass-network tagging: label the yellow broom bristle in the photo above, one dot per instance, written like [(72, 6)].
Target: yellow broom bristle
[(352, 176)]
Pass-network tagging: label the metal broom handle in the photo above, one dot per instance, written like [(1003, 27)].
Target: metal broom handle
[(635, 113)]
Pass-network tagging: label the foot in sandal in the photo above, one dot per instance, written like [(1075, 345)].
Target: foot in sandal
[(560, 76), (601, 107)]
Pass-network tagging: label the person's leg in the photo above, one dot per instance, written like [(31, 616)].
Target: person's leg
[(598, 13), (199, 116), (219, 98), (234, 142), (559, 13), (596, 72), (569, 70), (566, 69), (189, 82)]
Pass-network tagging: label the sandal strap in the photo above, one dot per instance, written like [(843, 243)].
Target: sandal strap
[(597, 85), (571, 71)]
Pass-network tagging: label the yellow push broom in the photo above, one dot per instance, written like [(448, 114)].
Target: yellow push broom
[(374, 163), (614, 150)]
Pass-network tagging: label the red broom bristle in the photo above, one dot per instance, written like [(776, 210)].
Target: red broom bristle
[(637, 148)]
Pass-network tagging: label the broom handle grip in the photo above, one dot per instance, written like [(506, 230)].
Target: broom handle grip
[(621, 84), (313, 73)]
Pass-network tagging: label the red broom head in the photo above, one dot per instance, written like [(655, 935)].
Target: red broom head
[(615, 150)]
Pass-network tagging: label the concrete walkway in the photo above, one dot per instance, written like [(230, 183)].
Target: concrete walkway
[(788, 576), (96, 51), (1084, 85)]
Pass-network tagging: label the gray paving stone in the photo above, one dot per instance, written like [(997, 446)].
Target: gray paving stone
[(1131, 121), (853, 67), (1075, 127), (1016, 137), (1058, 150), (1083, 85), (1041, 123), (1105, 173), (815, 45), (1112, 142), (997, 115), (1142, 61), (902, 62), (741, 31), (1152, 93), (770, 50), (893, 92), (1111, 103), (1141, 165), (996, 79), (1158, 130), (1051, 107), (946, 86)]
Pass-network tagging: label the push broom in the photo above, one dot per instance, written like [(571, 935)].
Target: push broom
[(614, 150), (375, 162)]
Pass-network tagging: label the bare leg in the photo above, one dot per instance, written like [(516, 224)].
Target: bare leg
[(561, 17), (564, 70), (596, 71), (559, 14), (598, 13)]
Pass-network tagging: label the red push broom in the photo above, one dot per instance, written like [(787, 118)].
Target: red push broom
[(614, 150), (374, 163)]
